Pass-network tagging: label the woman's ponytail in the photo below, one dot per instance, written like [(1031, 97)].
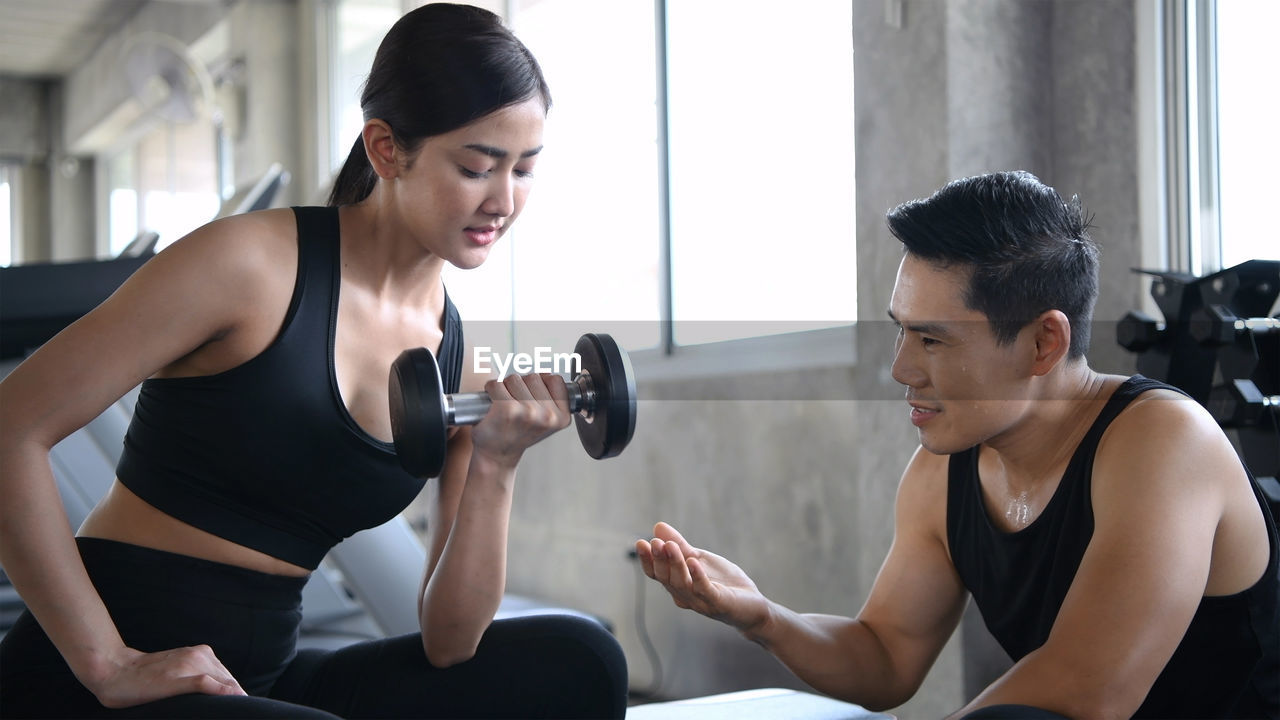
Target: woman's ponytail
[(356, 179)]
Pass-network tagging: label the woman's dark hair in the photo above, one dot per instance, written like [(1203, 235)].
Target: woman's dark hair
[(1029, 251), (439, 67)]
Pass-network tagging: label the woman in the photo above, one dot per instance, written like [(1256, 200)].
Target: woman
[(261, 437)]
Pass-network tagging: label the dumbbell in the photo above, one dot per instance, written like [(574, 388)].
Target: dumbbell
[(602, 396), (1240, 403), (1138, 331), (1218, 325)]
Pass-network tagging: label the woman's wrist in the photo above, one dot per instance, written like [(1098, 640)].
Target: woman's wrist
[(493, 464), (95, 667)]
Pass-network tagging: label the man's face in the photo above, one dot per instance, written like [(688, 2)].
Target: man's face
[(963, 388)]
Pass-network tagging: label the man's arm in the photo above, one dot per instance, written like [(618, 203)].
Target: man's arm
[(1158, 488), (878, 659)]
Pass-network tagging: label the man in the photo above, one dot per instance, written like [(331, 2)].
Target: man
[(1115, 544)]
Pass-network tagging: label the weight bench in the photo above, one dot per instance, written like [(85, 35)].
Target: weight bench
[(761, 704)]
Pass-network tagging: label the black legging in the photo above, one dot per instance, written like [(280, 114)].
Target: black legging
[(555, 666)]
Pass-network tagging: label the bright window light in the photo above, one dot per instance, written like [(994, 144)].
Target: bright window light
[(359, 26), (6, 222), (762, 181), (1248, 145)]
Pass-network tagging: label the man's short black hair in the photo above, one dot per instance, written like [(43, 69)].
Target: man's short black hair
[(1027, 249)]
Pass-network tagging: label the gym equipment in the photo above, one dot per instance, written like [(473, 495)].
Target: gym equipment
[(1138, 331), (602, 396), (1240, 403), (1217, 325), (37, 300), (1218, 345)]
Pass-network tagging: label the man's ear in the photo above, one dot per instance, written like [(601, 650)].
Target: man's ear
[(1053, 341), (380, 147)]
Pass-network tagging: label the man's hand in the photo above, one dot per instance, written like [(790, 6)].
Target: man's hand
[(702, 581)]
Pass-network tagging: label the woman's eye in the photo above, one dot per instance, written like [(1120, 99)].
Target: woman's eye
[(469, 173)]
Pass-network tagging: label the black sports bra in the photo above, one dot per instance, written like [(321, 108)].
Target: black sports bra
[(265, 454)]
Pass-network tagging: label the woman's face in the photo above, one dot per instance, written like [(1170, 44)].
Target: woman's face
[(464, 189)]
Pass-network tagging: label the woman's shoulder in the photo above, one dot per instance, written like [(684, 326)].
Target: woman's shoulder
[(264, 229), (242, 244)]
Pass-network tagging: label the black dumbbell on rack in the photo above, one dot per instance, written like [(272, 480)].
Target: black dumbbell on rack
[(602, 396), (1218, 325), (1138, 331), (1240, 403)]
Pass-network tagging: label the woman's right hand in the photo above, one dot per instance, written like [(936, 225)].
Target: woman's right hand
[(132, 677), (525, 409)]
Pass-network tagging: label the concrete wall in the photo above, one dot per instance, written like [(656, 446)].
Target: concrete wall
[(56, 197), (799, 491), (265, 36)]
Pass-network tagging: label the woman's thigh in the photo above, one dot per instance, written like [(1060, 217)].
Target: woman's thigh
[(35, 682), (543, 666)]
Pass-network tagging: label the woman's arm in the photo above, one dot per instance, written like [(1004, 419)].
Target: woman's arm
[(173, 305), (471, 509)]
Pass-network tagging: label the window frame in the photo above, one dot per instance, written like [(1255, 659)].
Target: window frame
[(1190, 133), (1187, 174)]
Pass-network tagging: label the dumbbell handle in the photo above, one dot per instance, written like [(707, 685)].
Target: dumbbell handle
[(1257, 325), (470, 408)]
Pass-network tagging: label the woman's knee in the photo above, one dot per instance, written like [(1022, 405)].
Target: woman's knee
[(577, 655)]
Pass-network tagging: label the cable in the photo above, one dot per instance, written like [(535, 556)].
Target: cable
[(655, 661)]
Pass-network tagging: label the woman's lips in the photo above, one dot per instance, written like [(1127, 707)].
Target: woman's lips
[(482, 235)]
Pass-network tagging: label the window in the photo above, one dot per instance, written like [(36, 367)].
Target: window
[(7, 214), (1248, 146), (760, 106), (728, 216), (1221, 147), (355, 29), (165, 182), (698, 182), (585, 252)]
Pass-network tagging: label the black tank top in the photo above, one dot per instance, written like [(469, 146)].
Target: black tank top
[(1228, 663), (265, 454)]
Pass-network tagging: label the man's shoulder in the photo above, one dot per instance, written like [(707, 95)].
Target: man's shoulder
[(1162, 438), (1159, 414)]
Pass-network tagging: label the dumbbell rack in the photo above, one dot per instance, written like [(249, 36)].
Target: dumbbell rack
[(1218, 345)]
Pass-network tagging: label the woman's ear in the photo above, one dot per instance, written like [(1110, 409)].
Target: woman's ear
[(380, 147), (1053, 341)]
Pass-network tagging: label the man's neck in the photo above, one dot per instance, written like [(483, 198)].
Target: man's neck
[(1037, 449)]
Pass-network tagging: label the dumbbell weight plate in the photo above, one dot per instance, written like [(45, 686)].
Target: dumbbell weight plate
[(614, 421), (418, 413)]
